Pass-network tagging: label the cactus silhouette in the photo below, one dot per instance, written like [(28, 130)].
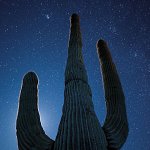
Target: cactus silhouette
[(79, 128)]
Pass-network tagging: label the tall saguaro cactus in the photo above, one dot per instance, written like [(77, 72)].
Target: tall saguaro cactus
[(79, 128)]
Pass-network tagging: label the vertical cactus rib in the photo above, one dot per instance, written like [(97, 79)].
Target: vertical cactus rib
[(30, 133), (116, 124)]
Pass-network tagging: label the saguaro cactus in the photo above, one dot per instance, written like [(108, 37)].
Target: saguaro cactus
[(79, 128)]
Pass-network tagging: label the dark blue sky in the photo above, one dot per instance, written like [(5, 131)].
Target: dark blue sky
[(34, 36)]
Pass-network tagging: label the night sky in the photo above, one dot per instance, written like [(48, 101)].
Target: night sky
[(34, 37)]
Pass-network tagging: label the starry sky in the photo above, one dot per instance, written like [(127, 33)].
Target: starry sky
[(34, 37)]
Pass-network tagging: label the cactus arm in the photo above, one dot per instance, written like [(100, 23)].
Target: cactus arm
[(30, 133), (116, 124)]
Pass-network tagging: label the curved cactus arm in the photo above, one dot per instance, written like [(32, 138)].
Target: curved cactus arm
[(30, 133), (116, 124)]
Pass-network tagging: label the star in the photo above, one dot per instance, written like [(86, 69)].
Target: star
[(47, 16)]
